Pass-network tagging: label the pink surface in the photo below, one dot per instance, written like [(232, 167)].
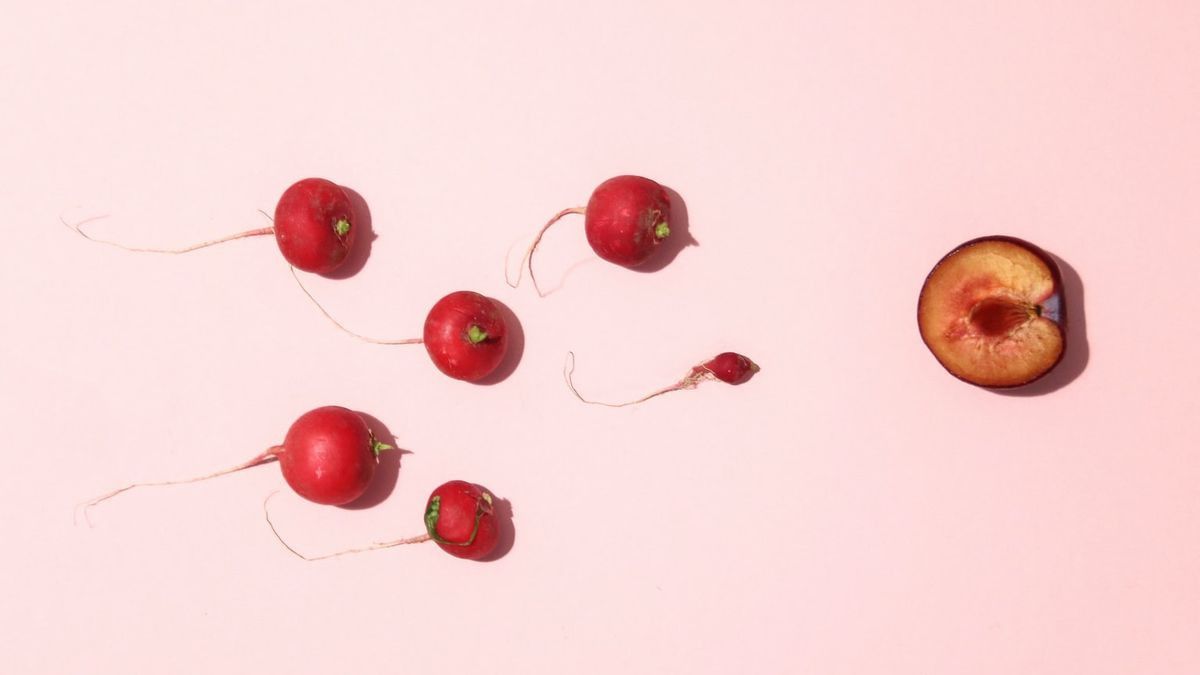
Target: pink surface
[(853, 509)]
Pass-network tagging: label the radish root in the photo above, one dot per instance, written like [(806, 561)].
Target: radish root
[(78, 228), (269, 455), (372, 547), (691, 381), (527, 260), (364, 338)]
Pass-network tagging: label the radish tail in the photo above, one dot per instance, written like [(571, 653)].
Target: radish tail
[(347, 331), (78, 228), (688, 382), (269, 455), (372, 547), (527, 261)]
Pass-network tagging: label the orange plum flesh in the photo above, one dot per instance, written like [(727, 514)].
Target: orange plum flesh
[(992, 312)]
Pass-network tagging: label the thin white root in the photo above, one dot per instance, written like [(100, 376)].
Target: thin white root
[(364, 338), (372, 547), (78, 229), (688, 382), (527, 260), (269, 455)]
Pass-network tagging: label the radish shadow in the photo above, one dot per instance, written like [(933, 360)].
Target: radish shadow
[(387, 472), (1076, 352), (681, 236), (364, 238), (516, 346), (502, 511)]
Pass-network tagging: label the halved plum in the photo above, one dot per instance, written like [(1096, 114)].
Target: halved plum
[(992, 312)]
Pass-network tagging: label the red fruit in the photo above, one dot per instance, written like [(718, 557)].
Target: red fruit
[(313, 225), (329, 456), (465, 336), (627, 218), (460, 519), (992, 312)]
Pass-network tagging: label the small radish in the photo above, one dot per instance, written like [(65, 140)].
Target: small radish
[(728, 367), (313, 228), (328, 456), (625, 220), (465, 334), (459, 517)]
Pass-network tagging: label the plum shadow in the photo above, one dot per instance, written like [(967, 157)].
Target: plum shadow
[(387, 473), (1076, 355), (516, 346), (681, 236), (506, 530), (364, 238)]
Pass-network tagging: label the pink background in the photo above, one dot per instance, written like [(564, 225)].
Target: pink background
[(853, 509)]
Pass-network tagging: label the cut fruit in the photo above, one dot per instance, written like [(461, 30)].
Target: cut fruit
[(992, 312)]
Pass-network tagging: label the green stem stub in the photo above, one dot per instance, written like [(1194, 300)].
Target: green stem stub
[(432, 512), (379, 446), (342, 227), (662, 230), (475, 334)]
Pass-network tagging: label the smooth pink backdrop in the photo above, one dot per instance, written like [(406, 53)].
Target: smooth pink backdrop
[(853, 509)]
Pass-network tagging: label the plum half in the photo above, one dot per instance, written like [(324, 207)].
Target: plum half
[(992, 312)]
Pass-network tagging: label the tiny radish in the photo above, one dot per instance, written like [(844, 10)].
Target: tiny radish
[(328, 456), (728, 367), (313, 228), (625, 220), (459, 517)]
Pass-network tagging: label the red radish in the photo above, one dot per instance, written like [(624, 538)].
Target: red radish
[(465, 334), (625, 220), (313, 228), (313, 225), (728, 367), (459, 517), (328, 456)]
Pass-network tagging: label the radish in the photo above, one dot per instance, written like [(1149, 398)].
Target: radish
[(459, 517), (728, 367), (465, 334), (625, 220), (313, 225), (313, 228), (328, 456)]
